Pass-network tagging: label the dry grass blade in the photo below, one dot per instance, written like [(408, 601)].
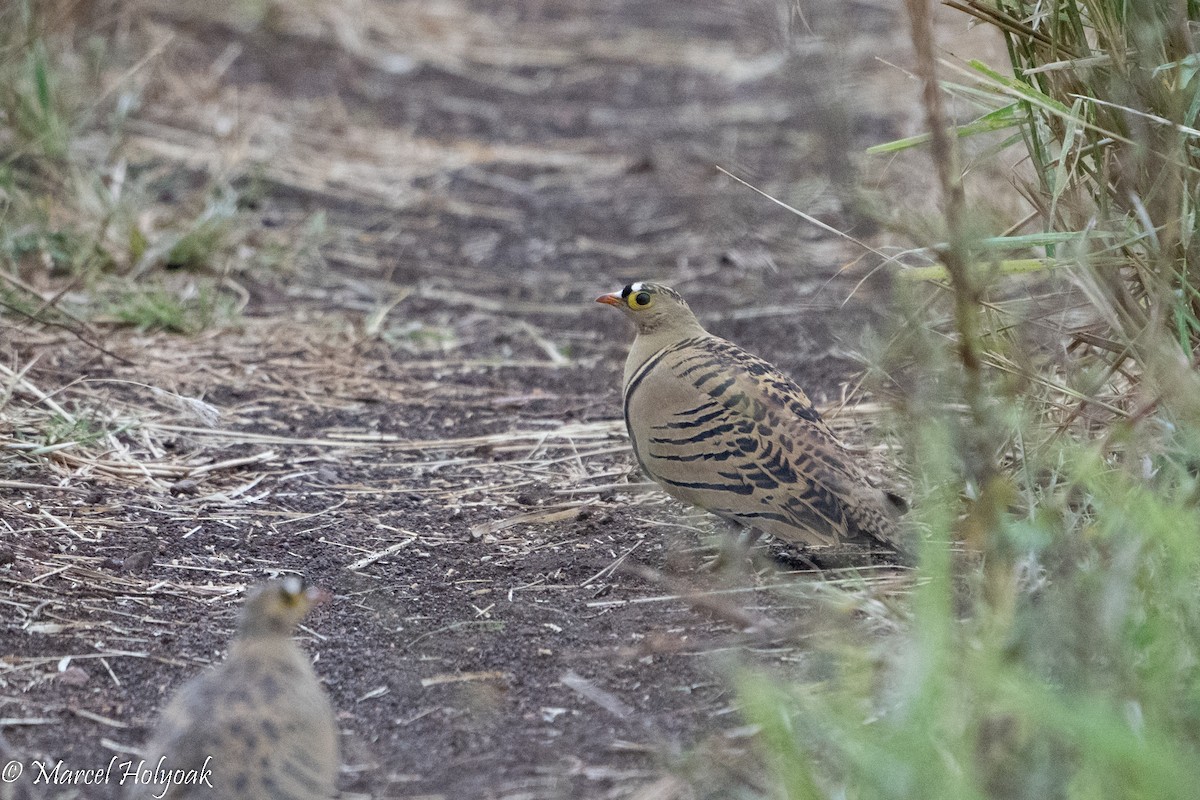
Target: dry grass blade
[(590, 691), (466, 677), (392, 549)]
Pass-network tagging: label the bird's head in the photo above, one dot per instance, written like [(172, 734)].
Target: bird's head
[(652, 307), (276, 607)]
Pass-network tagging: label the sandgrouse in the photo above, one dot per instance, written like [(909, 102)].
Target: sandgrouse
[(260, 719), (720, 428)]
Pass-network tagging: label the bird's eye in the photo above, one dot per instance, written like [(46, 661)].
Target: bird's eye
[(639, 300)]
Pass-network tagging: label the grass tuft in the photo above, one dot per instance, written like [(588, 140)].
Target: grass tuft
[(1050, 418)]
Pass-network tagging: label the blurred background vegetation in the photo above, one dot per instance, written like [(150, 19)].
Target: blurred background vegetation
[(1052, 644), (86, 237)]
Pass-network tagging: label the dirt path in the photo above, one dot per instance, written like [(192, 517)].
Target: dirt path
[(425, 419)]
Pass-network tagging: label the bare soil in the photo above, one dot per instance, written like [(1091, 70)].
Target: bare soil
[(425, 418)]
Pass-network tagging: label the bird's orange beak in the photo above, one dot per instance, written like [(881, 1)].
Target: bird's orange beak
[(609, 299)]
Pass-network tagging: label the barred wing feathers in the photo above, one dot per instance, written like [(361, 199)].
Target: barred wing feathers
[(727, 431)]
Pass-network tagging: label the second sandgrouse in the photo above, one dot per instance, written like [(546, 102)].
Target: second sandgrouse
[(720, 428), (259, 722)]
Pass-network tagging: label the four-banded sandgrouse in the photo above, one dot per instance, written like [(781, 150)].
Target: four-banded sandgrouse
[(724, 430), (260, 720), (712, 424)]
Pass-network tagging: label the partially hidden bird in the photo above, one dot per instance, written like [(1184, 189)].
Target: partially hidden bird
[(258, 726), (726, 431)]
